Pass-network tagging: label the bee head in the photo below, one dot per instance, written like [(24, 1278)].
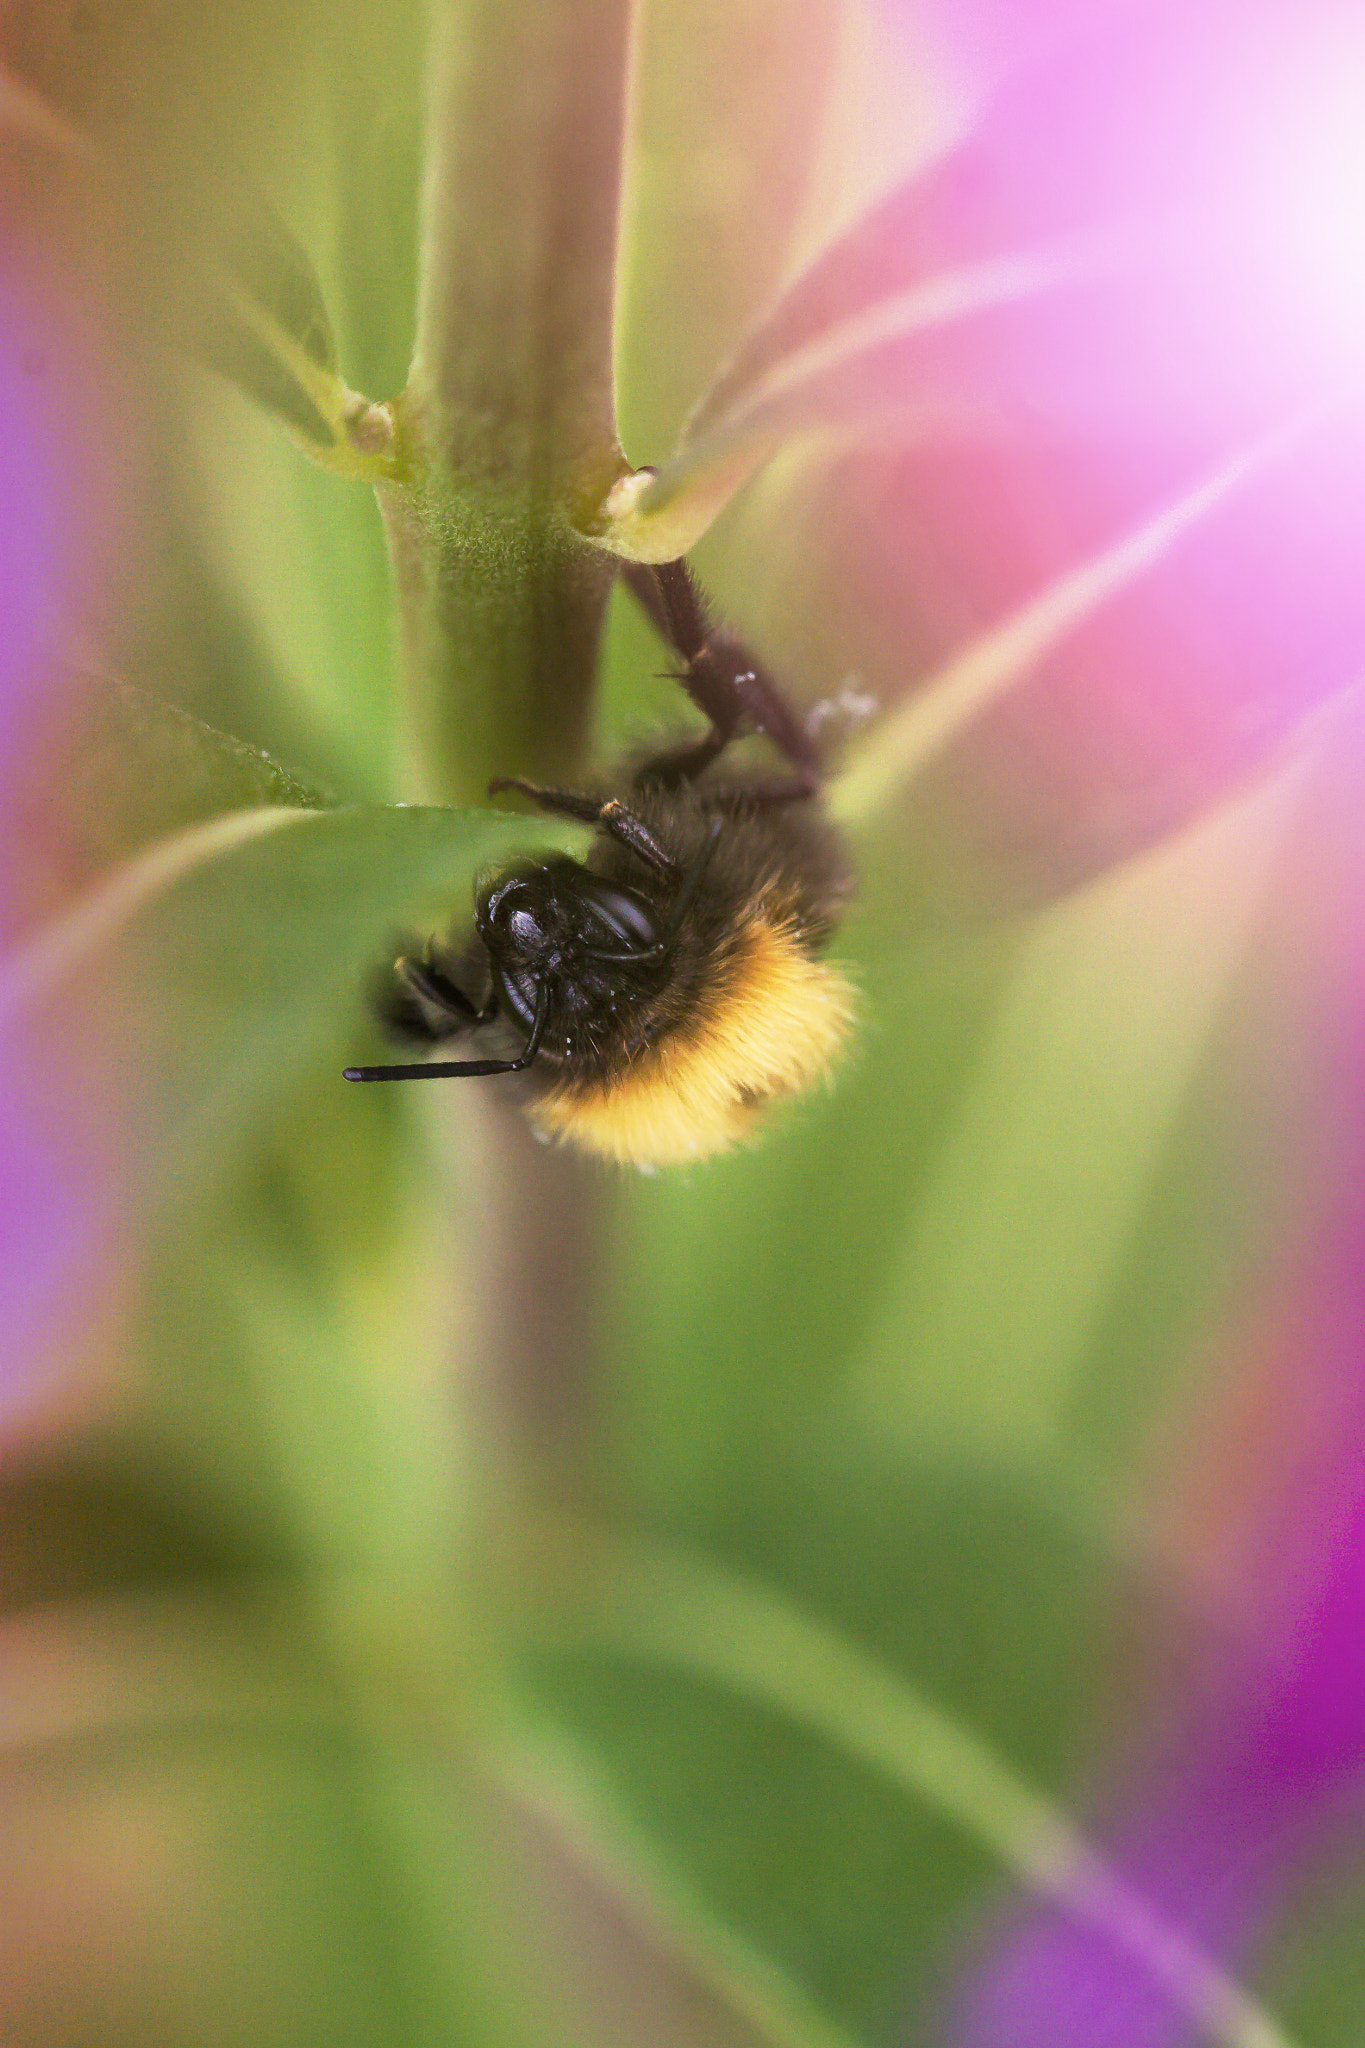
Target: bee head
[(559, 912)]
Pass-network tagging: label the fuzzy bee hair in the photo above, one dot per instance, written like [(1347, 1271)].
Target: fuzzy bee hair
[(659, 994)]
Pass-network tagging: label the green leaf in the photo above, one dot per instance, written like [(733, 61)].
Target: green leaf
[(121, 771), (220, 964), (686, 1614), (986, 1317), (264, 325), (298, 571), (169, 143), (967, 1582), (863, 376), (273, 269), (730, 113), (649, 1942), (133, 769)]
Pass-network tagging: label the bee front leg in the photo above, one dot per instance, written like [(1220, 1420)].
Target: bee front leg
[(610, 813), (419, 1000)]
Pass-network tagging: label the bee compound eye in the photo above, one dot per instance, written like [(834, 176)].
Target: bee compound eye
[(622, 916)]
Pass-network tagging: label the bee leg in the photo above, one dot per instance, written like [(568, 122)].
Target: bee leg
[(667, 592), (722, 677), (431, 985), (610, 813), (682, 764), (623, 825), (561, 803), (764, 795), (418, 999)]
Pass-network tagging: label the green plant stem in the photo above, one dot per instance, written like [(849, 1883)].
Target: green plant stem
[(506, 432), (505, 444)]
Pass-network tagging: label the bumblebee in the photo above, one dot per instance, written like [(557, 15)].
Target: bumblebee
[(665, 989)]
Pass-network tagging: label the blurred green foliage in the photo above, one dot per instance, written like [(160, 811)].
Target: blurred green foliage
[(899, 1361)]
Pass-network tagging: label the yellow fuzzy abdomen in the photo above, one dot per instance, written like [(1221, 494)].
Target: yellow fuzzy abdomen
[(775, 1031)]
